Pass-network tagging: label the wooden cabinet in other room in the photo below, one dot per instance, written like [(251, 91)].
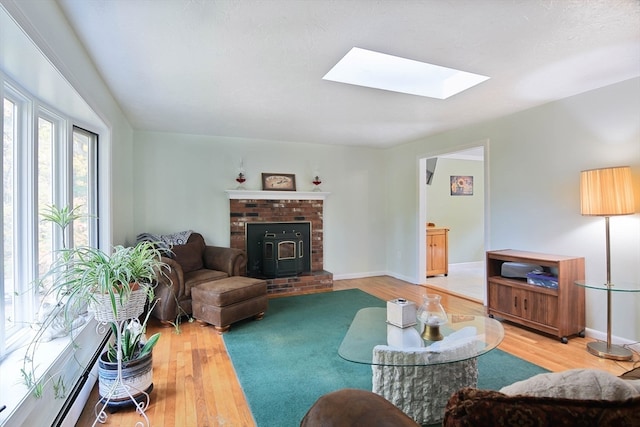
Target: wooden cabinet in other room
[(437, 251), (558, 311)]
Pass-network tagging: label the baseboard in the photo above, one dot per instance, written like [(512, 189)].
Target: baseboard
[(358, 275), (82, 399), (407, 279), (467, 264)]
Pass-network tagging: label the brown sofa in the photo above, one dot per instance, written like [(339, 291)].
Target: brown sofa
[(193, 263), (470, 407)]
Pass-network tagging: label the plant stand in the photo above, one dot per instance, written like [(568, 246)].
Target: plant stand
[(120, 386)]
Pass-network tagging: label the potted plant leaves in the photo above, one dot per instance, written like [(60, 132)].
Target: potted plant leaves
[(114, 287)]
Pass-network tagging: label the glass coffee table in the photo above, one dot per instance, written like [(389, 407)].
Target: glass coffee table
[(420, 381)]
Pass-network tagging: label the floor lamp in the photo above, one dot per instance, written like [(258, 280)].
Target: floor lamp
[(607, 192)]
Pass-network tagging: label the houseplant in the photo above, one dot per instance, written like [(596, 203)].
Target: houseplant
[(87, 278), (133, 365), (88, 275)]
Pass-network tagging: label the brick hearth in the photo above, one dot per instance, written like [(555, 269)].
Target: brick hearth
[(292, 207)]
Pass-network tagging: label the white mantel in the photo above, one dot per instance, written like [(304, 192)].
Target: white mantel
[(277, 195)]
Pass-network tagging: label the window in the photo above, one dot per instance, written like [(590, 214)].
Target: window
[(85, 191), (8, 306), (45, 161), (45, 166)]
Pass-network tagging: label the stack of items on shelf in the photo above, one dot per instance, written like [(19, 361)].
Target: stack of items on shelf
[(534, 273)]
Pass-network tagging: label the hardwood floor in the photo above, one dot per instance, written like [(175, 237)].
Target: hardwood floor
[(195, 383)]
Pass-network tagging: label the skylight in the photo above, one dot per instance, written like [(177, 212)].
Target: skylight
[(367, 68)]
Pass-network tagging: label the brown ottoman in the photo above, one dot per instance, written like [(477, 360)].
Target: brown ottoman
[(224, 301)]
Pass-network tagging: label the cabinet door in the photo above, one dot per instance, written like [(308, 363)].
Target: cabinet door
[(437, 258), (501, 298), (540, 308), (439, 252), (529, 305)]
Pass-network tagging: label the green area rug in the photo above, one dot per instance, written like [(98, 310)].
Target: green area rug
[(286, 361)]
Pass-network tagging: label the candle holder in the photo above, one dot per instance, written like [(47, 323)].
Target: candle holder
[(431, 315), (432, 333), (240, 179), (316, 182)]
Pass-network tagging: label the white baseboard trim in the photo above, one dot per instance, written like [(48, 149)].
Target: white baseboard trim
[(467, 264), (373, 274), (411, 280), (358, 275)]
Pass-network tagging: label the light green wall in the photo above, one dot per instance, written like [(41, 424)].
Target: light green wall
[(534, 163), (180, 182), (463, 215)]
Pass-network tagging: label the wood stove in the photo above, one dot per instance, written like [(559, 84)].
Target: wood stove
[(278, 249), (282, 254)]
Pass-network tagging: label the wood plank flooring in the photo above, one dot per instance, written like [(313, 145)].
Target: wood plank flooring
[(195, 383)]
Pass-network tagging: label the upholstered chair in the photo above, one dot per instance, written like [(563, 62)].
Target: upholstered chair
[(192, 264)]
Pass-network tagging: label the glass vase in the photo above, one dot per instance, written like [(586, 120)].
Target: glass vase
[(431, 316)]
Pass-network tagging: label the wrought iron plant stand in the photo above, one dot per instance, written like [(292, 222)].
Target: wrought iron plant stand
[(103, 313)]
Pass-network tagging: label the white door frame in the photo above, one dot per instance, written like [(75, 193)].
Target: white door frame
[(422, 202)]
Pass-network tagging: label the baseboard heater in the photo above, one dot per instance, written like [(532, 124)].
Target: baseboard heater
[(79, 385)]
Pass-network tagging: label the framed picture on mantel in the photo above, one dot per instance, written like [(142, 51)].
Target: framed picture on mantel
[(278, 182)]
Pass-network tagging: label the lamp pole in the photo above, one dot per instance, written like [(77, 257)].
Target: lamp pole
[(609, 351)]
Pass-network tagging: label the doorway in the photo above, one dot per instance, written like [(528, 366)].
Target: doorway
[(464, 213)]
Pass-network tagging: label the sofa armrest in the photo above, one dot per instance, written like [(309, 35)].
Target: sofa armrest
[(231, 261)]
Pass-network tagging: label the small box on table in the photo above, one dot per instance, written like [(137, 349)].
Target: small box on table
[(401, 313)]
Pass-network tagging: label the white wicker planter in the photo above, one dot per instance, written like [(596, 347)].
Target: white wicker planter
[(126, 308)]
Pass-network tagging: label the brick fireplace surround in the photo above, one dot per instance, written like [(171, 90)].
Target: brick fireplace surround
[(283, 206)]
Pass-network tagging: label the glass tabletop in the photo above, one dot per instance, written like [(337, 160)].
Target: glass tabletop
[(465, 337), (615, 287)]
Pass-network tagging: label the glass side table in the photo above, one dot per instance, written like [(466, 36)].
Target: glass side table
[(608, 350)]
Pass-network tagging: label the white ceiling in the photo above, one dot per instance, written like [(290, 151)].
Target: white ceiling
[(253, 68)]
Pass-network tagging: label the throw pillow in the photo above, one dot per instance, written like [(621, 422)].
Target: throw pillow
[(189, 256), (574, 384), (179, 238)]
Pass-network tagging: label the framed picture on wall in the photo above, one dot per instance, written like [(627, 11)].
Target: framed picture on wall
[(279, 182), (461, 185)]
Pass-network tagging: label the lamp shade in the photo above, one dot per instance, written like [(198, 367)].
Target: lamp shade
[(606, 192)]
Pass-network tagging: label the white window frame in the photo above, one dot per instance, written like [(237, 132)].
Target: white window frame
[(26, 217), (22, 256)]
